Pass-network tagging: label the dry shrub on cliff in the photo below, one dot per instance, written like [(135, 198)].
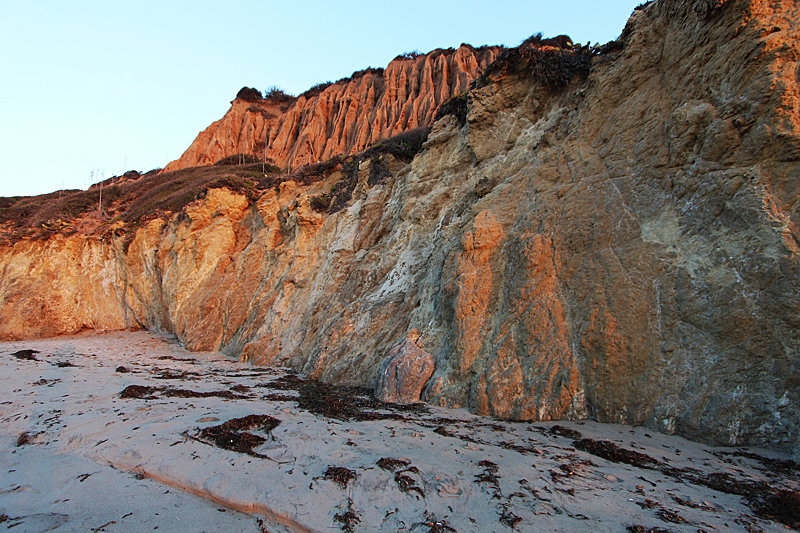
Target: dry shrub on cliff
[(456, 106), (343, 190), (404, 146), (316, 89), (360, 73), (314, 172), (408, 55), (554, 62), (276, 94), (248, 94), (175, 190), (237, 159)]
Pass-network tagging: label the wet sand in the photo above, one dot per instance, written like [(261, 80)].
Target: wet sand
[(127, 431)]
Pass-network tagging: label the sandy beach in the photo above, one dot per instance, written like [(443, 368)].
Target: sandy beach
[(129, 432)]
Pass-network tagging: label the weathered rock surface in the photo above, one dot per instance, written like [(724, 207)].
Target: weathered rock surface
[(625, 249), (344, 118), (405, 371)]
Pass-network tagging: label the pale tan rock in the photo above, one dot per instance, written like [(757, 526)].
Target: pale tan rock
[(405, 371)]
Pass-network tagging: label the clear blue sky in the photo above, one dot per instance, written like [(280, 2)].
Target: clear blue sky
[(115, 86)]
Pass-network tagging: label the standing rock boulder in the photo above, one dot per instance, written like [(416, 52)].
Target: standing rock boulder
[(405, 372)]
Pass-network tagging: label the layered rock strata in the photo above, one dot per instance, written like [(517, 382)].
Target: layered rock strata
[(624, 249), (346, 117)]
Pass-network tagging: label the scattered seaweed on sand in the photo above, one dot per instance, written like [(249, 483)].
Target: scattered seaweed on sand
[(642, 529), (407, 483), (442, 430), (234, 435), (64, 364), (190, 360), (490, 477), (691, 504), (177, 374), (766, 501), (785, 467), (339, 475), (348, 519), (668, 515), (524, 450), (508, 518), (565, 432), (341, 403), (185, 393), (141, 392), (612, 452), (390, 464), (26, 355), (436, 525), (782, 506)]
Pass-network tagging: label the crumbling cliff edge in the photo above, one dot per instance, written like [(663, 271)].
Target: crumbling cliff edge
[(623, 248)]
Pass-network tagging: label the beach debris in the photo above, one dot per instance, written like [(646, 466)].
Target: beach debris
[(766, 501), (138, 392), (121, 369), (611, 452), (407, 483), (490, 477), (234, 435), (177, 374), (64, 364), (348, 519), (185, 393), (508, 518), (25, 438), (339, 475), (48, 382), (390, 464), (149, 393), (642, 529), (436, 525), (340, 403), (565, 432), (190, 360), (668, 515), (26, 355)]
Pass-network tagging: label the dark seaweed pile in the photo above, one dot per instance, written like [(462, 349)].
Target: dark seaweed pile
[(234, 435), (340, 403)]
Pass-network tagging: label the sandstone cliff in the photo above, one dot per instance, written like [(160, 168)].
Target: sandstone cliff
[(345, 117), (624, 248)]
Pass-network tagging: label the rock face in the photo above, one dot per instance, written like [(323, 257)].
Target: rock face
[(405, 371), (625, 248), (343, 118)]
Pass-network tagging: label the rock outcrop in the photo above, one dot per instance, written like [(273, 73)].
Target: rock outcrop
[(625, 248), (405, 371), (346, 117)]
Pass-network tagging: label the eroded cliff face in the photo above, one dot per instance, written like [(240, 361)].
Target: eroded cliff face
[(344, 118), (624, 249)]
